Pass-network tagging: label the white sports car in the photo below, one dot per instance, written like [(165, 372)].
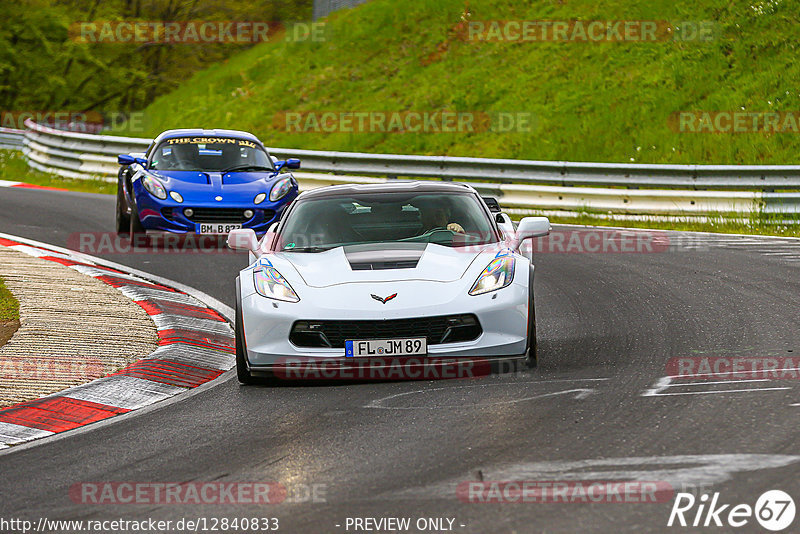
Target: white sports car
[(422, 270)]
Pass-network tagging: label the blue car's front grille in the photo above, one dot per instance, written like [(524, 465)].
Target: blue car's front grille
[(216, 215), (222, 215)]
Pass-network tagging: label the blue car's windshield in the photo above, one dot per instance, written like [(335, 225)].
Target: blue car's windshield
[(209, 154), (451, 220)]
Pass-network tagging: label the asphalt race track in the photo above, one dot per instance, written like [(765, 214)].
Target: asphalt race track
[(596, 408)]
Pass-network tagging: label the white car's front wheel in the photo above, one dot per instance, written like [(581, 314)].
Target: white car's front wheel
[(242, 372), (531, 357)]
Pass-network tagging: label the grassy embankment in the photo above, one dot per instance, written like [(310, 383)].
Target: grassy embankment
[(606, 102)]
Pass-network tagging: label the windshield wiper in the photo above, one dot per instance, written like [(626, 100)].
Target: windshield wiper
[(245, 167)]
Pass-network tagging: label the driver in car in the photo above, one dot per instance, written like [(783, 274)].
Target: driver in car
[(436, 217)]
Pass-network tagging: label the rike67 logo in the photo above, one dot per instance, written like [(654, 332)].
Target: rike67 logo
[(774, 510)]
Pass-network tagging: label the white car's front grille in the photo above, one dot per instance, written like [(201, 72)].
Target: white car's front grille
[(437, 330)]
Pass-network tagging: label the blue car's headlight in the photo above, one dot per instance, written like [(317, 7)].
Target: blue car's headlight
[(281, 189), (497, 275), (271, 284), (154, 187), (260, 198)]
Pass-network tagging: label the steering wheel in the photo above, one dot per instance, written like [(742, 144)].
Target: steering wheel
[(429, 235)]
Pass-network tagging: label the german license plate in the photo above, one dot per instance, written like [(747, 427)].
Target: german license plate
[(414, 346), (218, 228)]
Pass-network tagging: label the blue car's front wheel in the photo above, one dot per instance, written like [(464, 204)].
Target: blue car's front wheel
[(123, 218), (136, 227)]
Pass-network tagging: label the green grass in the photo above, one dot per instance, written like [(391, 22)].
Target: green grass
[(14, 168), (608, 102), (717, 224), (9, 307)]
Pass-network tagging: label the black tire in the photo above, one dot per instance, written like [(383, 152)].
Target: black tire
[(531, 357), (135, 226), (123, 217), (242, 373)]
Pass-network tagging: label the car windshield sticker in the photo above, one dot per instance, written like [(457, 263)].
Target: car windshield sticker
[(290, 245), (209, 141)]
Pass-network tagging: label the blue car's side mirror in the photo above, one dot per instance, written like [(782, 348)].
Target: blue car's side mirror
[(127, 159), (291, 163)]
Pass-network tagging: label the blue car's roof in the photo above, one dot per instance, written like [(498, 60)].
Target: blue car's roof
[(186, 132)]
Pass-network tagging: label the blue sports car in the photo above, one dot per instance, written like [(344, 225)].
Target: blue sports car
[(204, 182)]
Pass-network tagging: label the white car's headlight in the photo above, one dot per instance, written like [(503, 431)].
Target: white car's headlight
[(281, 189), (271, 284), (154, 187), (497, 275)]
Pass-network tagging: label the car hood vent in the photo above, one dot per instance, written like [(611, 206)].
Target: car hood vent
[(376, 257), (380, 265)]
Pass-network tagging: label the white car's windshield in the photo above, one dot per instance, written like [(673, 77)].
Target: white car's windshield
[(210, 154), (446, 219)]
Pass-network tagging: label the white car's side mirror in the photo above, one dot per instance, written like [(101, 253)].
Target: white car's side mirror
[(244, 239), (531, 227), (505, 224)]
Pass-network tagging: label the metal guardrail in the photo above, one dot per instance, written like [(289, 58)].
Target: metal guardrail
[(562, 173), (647, 189), (11, 139)]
